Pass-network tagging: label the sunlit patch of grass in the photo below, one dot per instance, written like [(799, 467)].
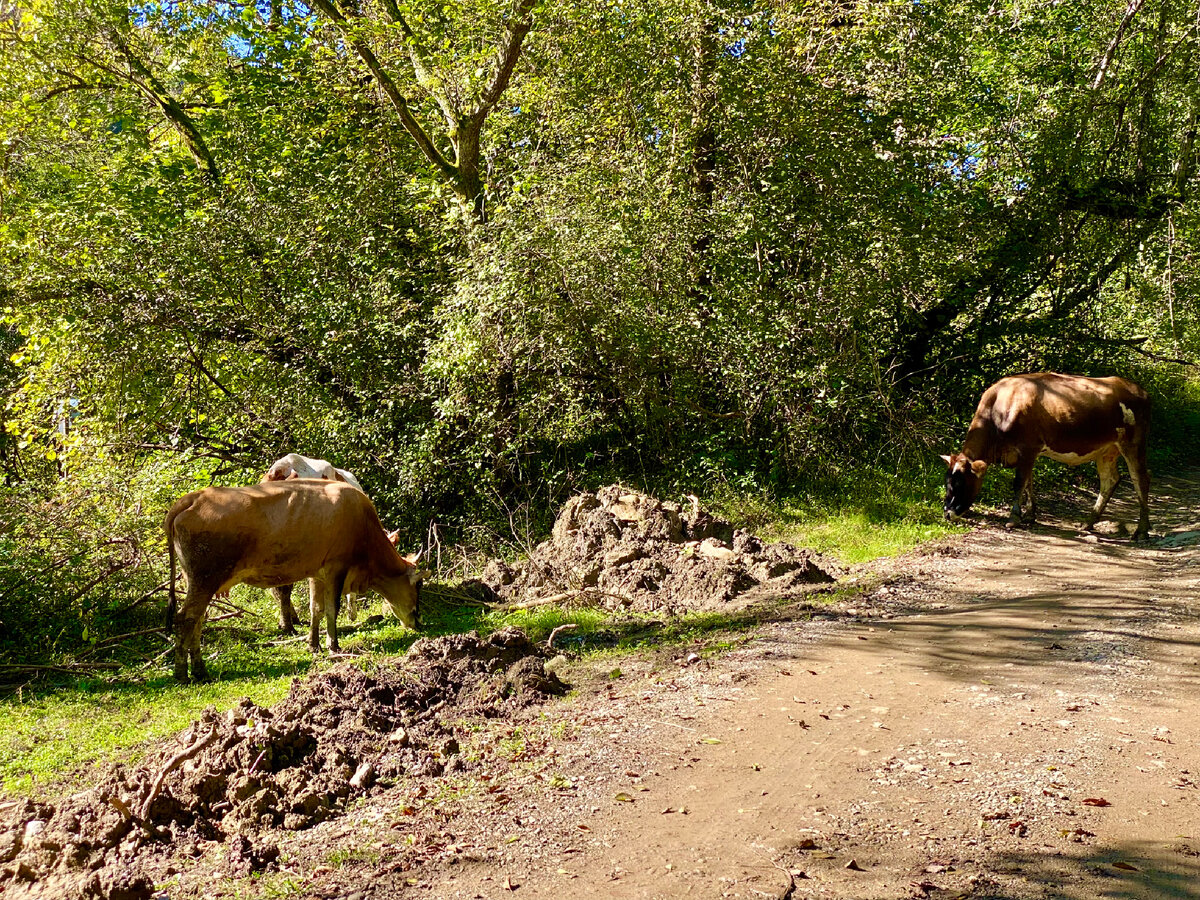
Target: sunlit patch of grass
[(270, 886), (345, 855), (52, 732), (855, 536), (876, 515)]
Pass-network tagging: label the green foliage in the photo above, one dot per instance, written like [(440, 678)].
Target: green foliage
[(482, 254)]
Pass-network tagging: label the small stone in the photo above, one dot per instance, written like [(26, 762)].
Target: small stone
[(363, 775)]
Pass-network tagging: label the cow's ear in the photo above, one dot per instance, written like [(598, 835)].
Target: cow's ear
[(978, 466), (418, 575), (294, 474), (394, 537), (413, 558), (949, 459)]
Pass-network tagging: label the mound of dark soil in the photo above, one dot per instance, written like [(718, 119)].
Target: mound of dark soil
[(623, 549), (238, 776)]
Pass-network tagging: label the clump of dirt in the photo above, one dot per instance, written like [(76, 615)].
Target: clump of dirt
[(623, 549), (238, 776)]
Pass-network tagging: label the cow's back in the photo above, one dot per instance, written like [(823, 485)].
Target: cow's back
[(1069, 414)]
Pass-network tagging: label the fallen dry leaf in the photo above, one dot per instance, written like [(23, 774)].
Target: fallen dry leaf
[(1126, 866), (624, 797), (853, 865), (1095, 801)]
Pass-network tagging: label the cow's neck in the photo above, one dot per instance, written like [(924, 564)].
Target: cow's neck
[(981, 442)]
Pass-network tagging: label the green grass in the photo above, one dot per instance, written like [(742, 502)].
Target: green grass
[(879, 514), (50, 732)]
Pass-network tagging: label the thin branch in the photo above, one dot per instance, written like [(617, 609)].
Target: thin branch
[(411, 125), (81, 86), (199, 364), (172, 764), (148, 83), (142, 599)]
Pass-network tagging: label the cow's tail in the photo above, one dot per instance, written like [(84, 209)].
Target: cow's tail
[(169, 525), (170, 620)]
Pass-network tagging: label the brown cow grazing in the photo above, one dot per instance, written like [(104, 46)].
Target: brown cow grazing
[(1070, 418), (279, 533)]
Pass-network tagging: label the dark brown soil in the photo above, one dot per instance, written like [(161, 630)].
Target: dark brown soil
[(241, 777)]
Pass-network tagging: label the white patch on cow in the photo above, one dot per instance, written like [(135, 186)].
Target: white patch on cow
[(1074, 459), (1127, 414)]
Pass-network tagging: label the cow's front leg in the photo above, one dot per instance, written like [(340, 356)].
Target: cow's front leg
[(333, 602), (1029, 506), (287, 612), (317, 591)]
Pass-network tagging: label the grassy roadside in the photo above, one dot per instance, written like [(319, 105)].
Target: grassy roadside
[(51, 734)]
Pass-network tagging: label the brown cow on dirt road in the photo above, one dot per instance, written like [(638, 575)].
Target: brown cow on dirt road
[(1070, 418), (279, 533)]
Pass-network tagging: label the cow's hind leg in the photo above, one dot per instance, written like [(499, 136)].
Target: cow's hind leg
[(189, 622), (1110, 476), (1135, 458)]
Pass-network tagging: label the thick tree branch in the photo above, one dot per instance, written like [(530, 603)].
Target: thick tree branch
[(506, 59), (420, 63)]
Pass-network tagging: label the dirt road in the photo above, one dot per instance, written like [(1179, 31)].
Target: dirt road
[(1010, 715)]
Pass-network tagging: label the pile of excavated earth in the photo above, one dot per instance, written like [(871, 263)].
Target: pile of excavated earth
[(619, 549), (243, 777)]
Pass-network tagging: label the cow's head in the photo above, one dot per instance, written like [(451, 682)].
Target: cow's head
[(404, 601), (964, 478)]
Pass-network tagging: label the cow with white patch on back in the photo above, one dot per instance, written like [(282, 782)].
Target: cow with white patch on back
[(1070, 418), (296, 465), (279, 533)]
